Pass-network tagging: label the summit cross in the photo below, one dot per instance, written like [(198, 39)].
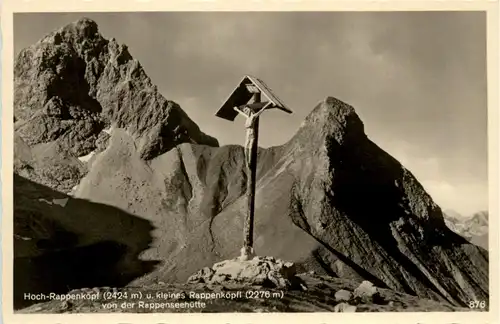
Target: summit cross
[(246, 100)]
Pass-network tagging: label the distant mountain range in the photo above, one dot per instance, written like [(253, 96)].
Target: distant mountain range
[(474, 228)]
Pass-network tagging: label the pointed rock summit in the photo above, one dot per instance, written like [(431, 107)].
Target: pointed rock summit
[(332, 118), (74, 84)]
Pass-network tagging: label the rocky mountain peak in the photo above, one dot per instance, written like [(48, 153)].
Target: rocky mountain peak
[(83, 28), (331, 123), (334, 112), (73, 84)]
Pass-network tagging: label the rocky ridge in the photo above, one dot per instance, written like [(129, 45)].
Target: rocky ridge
[(71, 86)]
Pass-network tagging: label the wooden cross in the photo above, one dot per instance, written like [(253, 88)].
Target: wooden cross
[(250, 89)]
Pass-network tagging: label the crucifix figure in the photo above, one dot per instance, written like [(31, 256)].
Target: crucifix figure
[(238, 103), (251, 126)]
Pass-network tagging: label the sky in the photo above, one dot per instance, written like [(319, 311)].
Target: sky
[(416, 79)]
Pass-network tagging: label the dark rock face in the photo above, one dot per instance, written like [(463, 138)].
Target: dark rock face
[(73, 83), (360, 199), (50, 164)]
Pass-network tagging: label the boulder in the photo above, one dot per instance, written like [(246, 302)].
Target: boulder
[(365, 289), (343, 295), (259, 271), (367, 293), (344, 308)]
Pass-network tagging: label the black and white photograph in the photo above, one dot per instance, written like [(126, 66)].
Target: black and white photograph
[(250, 162)]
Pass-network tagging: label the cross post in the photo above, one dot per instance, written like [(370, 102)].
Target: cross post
[(251, 149)]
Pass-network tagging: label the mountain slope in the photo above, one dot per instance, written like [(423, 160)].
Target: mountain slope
[(329, 199), (63, 243)]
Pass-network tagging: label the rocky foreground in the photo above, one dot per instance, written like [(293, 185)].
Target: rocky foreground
[(263, 284)]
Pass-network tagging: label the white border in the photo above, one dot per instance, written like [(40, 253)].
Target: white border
[(11, 6)]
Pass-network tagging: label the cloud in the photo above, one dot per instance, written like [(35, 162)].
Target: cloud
[(456, 191), (466, 199)]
